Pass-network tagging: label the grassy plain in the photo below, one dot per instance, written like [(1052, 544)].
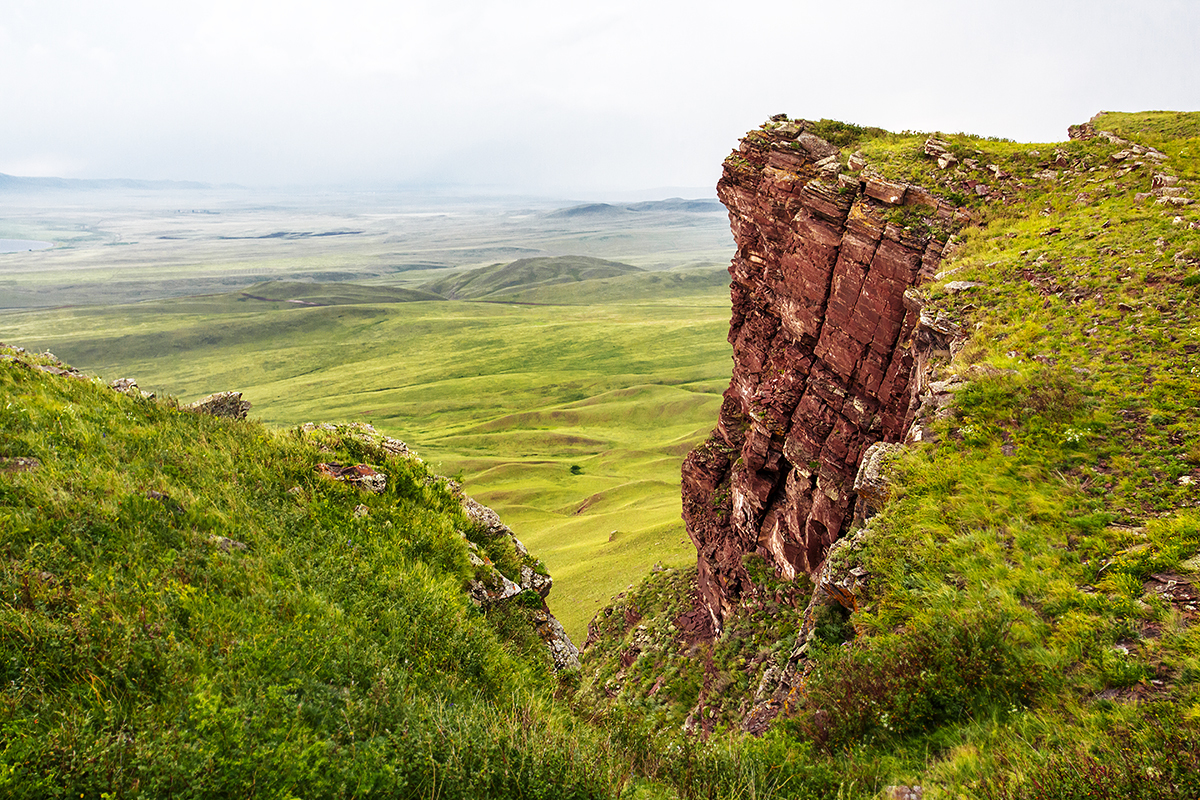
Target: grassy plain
[(568, 411)]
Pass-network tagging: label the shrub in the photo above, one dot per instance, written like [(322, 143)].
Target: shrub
[(912, 684)]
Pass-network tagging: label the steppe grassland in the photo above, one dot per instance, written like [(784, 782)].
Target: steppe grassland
[(618, 380), (511, 398)]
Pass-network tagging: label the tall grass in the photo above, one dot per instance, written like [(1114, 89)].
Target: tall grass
[(191, 610)]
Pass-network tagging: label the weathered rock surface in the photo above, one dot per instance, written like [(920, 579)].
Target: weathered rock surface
[(563, 652), (871, 483), (129, 386), (826, 346), (359, 475), (229, 405), (490, 586)]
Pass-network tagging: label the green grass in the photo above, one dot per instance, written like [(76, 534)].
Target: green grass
[(509, 397), (1175, 133), (188, 609)]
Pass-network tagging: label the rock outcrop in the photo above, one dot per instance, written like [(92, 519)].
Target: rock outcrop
[(228, 405), (529, 583), (491, 586), (129, 386), (359, 475), (829, 344)]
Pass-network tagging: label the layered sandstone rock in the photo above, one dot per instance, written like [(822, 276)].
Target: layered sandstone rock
[(825, 346)]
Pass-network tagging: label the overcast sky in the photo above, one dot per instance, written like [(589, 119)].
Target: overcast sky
[(548, 97)]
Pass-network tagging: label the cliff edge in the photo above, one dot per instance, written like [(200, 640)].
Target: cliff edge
[(826, 347)]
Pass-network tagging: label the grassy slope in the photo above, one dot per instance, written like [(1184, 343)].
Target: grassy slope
[(509, 396), (327, 654), (1010, 639)]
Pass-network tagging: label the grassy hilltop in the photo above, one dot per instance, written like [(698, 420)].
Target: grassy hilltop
[(511, 281), (1026, 622)]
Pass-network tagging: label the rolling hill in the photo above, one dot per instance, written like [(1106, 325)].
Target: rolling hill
[(502, 281)]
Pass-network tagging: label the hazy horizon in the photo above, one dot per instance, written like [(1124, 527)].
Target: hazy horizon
[(546, 99), (27, 185)]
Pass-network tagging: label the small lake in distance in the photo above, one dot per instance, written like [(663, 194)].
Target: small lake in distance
[(21, 245)]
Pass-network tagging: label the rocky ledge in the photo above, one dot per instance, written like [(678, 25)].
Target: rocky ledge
[(490, 585)]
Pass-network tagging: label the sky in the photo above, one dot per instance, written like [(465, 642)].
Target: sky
[(537, 97)]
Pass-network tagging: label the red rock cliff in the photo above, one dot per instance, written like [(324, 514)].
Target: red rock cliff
[(823, 355)]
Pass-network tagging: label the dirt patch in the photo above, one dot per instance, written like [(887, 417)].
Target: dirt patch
[(19, 464)]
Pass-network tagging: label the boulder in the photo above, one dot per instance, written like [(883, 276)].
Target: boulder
[(225, 544), (228, 405), (357, 474), (129, 386)]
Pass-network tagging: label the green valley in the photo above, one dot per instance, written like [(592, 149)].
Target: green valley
[(568, 413)]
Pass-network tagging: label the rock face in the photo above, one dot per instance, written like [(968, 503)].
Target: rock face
[(490, 586), (826, 349)]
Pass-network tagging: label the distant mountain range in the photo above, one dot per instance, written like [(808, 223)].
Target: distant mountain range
[(18, 183), (623, 209), (15, 183)]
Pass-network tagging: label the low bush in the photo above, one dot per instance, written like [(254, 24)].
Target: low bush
[(909, 685)]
